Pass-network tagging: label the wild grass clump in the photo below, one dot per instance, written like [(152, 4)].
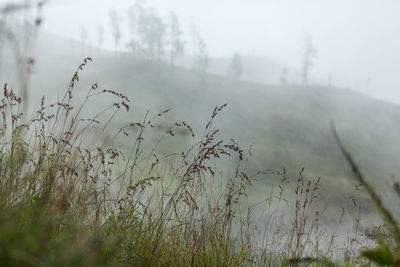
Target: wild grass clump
[(69, 198), (53, 188)]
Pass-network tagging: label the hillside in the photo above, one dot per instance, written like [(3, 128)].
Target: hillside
[(255, 69), (287, 126)]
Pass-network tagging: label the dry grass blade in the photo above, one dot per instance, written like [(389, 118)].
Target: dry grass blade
[(386, 214)]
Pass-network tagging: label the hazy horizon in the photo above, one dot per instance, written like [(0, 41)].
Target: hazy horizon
[(356, 40)]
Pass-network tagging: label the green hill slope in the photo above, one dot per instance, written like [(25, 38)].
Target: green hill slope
[(288, 126)]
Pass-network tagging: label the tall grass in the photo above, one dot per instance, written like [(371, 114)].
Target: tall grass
[(69, 198)]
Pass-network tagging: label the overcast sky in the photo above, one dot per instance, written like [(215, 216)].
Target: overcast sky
[(358, 41)]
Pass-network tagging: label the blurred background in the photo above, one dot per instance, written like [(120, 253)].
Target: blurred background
[(356, 40)]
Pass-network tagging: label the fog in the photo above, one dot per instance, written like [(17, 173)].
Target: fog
[(357, 41), (287, 69)]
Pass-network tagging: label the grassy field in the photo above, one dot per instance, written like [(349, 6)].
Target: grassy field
[(121, 180)]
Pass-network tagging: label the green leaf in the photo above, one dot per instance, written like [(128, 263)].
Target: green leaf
[(381, 255)]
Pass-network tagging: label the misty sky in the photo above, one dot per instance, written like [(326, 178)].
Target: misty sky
[(357, 40)]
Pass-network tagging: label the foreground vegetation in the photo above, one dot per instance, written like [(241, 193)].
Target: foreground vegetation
[(69, 198)]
